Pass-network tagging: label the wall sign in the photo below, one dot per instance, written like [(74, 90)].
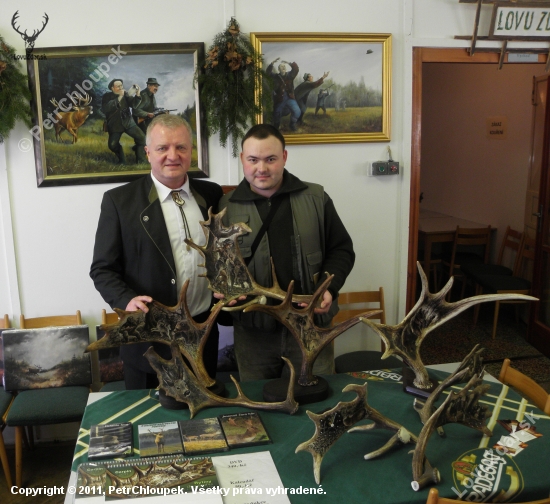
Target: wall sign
[(524, 21), (497, 127)]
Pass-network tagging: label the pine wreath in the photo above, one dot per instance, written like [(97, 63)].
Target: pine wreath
[(226, 81), (14, 92)]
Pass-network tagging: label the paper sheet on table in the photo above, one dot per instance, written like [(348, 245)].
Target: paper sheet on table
[(245, 475)]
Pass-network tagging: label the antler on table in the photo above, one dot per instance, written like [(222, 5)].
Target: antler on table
[(163, 324), (463, 408), (431, 311), (299, 321), (179, 382), (332, 424)]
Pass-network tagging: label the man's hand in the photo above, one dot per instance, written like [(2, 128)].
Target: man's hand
[(150, 115), (139, 303), (217, 295), (275, 61), (325, 75), (325, 304)]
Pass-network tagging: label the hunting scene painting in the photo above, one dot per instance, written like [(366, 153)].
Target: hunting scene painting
[(92, 106), (328, 88), (46, 358)]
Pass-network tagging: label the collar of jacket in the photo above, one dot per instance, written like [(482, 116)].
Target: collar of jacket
[(153, 195), (291, 184)]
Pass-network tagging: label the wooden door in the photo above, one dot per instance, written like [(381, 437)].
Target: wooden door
[(537, 217)]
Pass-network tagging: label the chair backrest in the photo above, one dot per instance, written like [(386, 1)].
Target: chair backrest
[(52, 321), (108, 318), (539, 396), (349, 301), (5, 322), (472, 237), (512, 241), (433, 498)]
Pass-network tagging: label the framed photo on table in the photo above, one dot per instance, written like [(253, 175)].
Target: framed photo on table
[(71, 131), (328, 87)]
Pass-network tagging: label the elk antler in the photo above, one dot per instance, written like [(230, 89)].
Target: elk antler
[(83, 101), (430, 312), (226, 270), (471, 365), (163, 324), (179, 382), (310, 338), (463, 408), (332, 424)]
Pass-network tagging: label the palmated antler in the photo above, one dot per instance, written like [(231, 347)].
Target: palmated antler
[(332, 424), (179, 382), (299, 321), (226, 270), (463, 408), (430, 312), (163, 324), (472, 365)]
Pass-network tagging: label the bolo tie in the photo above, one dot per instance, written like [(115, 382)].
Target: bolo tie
[(179, 201)]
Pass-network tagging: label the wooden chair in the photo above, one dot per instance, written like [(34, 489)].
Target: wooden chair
[(44, 406), (6, 398), (466, 244), (510, 376), (508, 253), (51, 321), (352, 304), (117, 384), (514, 284), (433, 498)]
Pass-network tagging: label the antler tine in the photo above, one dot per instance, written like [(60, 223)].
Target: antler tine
[(16, 28), (53, 101)]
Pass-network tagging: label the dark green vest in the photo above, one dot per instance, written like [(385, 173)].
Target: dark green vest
[(308, 212)]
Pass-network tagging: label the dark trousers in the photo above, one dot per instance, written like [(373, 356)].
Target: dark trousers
[(139, 138), (138, 373)]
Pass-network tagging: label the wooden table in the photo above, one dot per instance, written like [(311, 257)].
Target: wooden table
[(435, 227)]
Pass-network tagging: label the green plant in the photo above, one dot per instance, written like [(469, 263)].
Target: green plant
[(14, 92), (228, 79)]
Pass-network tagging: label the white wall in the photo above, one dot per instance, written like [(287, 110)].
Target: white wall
[(54, 228)]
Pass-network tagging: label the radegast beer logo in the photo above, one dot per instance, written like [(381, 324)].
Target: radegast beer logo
[(485, 475), (29, 39)]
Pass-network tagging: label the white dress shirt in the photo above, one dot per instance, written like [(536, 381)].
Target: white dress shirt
[(187, 261)]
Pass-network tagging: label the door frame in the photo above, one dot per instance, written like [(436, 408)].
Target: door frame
[(429, 55)]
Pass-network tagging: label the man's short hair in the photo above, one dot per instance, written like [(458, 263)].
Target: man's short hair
[(263, 131), (169, 121), (307, 76)]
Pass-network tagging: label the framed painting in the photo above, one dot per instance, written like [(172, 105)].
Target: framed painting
[(46, 358), (328, 88), (92, 105)]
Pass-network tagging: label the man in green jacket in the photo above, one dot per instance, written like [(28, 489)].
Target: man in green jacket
[(144, 112), (305, 238)]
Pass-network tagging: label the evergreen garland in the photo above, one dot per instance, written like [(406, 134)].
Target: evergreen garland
[(226, 80), (14, 92)]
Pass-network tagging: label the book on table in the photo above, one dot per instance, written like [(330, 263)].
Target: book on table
[(202, 435), (244, 429), (110, 441), (158, 439)]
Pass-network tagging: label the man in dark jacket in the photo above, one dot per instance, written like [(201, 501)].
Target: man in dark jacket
[(302, 92), (139, 252), (117, 106), (283, 93), (305, 238), (144, 112)]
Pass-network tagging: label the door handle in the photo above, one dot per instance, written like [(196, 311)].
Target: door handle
[(538, 214)]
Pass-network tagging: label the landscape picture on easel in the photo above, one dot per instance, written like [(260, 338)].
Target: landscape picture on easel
[(46, 358)]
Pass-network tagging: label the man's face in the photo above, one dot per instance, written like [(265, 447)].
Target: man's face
[(263, 164), (117, 88), (282, 69), (169, 152), (153, 88), (310, 78)]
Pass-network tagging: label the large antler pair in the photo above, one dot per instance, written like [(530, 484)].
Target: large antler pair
[(430, 312)]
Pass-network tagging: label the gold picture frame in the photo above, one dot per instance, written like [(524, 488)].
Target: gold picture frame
[(358, 109), (58, 76)]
